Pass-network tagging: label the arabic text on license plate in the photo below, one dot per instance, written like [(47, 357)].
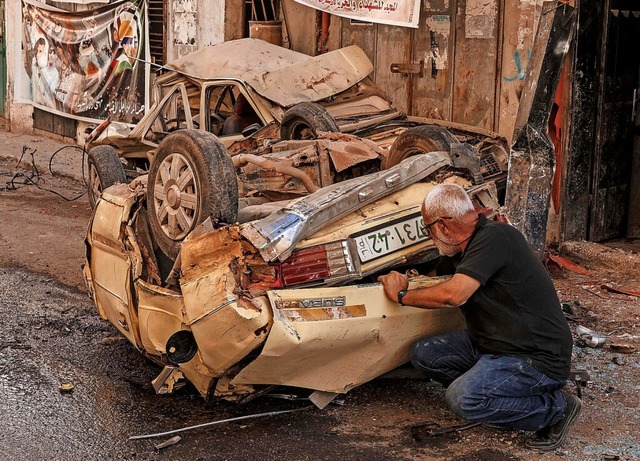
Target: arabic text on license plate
[(389, 239)]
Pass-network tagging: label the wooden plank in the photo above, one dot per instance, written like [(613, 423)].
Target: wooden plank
[(65, 126), (42, 120), (475, 70), (520, 21), (434, 43)]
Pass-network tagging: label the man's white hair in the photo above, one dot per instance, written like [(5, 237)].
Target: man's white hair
[(447, 200)]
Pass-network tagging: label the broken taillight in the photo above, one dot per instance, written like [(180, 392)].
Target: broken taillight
[(315, 265)]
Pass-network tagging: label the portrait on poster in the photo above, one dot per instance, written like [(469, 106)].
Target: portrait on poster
[(89, 64)]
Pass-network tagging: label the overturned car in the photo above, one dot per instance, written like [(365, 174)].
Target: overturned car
[(259, 268)]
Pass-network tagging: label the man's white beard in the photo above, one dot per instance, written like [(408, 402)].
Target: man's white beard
[(444, 248)]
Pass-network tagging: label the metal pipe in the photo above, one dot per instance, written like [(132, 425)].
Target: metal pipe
[(243, 159)]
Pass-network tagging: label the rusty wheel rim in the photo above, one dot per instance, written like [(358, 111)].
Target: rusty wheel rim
[(175, 196)]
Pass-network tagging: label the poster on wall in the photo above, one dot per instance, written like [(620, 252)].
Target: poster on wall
[(88, 65), (403, 13)]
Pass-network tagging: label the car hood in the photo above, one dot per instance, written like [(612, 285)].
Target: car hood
[(283, 76)]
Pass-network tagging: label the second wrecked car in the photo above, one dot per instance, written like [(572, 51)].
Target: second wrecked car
[(281, 93)]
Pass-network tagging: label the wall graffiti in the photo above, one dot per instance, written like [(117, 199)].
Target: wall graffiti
[(521, 71), (86, 64)]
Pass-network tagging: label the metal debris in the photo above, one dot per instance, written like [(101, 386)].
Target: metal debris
[(623, 348), (321, 398), (213, 423), (433, 429), (622, 291), (167, 443), (297, 398), (568, 264), (66, 387), (590, 337), (591, 288)]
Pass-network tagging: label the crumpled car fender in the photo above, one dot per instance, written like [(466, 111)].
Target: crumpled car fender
[(226, 323)]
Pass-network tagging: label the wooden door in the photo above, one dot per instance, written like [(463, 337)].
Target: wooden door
[(434, 45), (618, 81), (444, 69), (475, 66), (414, 67)]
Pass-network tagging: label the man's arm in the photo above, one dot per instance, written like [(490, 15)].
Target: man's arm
[(452, 293)]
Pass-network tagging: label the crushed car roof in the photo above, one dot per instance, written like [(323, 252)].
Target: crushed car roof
[(276, 73)]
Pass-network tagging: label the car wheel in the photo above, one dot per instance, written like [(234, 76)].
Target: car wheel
[(304, 120), (191, 178), (104, 169), (418, 140)]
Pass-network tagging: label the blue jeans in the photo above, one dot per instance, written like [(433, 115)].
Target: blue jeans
[(495, 389)]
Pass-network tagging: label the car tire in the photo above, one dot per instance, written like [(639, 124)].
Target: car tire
[(191, 178), (104, 169), (418, 140), (304, 120)]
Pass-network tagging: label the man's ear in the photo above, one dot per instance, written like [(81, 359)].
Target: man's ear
[(444, 228)]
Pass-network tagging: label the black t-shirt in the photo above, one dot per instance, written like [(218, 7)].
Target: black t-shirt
[(516, 310)]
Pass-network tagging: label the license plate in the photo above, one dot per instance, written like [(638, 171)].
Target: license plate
[(393, 237)]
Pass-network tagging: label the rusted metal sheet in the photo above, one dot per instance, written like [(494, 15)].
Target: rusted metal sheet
[(532, 159), (434, 43), (346, 150)]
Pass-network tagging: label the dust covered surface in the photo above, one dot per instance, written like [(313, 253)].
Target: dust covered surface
[(52, 335)]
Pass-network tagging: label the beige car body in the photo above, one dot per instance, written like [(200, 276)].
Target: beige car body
[(248, 333)]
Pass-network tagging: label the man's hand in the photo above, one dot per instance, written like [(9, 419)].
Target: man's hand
[(393, 282)]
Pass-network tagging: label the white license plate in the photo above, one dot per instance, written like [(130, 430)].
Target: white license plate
[(388, 239)]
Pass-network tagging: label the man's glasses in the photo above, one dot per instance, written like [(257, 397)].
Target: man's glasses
[(426, 228)]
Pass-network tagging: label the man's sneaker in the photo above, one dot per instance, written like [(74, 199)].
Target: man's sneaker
[(551, 437)]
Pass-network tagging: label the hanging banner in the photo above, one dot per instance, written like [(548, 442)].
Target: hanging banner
[(403, 13), (87, 65)]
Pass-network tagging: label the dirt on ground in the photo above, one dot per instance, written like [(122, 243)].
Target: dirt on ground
[(52, 332)]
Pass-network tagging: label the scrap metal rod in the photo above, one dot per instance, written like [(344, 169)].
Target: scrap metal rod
[(197, 426)]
